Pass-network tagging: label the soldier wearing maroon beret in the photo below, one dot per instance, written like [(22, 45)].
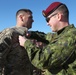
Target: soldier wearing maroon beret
[(59, 56)]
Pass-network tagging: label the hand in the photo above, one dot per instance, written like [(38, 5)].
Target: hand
[(38, 72), (38, 43), (22, 40)]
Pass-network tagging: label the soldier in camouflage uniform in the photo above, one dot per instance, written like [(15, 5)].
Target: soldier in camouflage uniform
[(59, 56), (13, 58)]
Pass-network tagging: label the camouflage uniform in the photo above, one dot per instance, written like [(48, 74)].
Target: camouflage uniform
[(50, 37), (59, 56), (40, 37), (13, 58)]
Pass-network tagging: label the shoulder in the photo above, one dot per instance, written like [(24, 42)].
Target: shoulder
[(71, 30), (5, 30)]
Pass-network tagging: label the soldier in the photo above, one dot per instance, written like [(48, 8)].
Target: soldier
[(13, 58), (59, 56)]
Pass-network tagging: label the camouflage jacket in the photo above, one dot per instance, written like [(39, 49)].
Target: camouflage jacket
[(13, 58), (59, 56)]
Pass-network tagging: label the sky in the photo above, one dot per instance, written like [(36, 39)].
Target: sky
[(8, 9)]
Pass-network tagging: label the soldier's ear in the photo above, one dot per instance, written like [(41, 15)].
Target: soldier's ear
[(60, 16), (21, 17)]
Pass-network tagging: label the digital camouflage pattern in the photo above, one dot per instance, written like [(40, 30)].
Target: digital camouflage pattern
[(50, 37), (45, 38), (59, 56), (40, 37)]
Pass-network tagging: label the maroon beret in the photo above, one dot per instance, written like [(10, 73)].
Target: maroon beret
[(51, 8)]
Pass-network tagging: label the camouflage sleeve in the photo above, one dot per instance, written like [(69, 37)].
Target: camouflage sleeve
[(55, 54), (50, 36)]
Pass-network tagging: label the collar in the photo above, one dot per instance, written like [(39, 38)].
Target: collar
[(65, 28)]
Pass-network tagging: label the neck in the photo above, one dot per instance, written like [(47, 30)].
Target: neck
[(62, 25)]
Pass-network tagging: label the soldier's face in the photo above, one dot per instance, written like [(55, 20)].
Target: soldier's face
[(53, 22), (28, 20)]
